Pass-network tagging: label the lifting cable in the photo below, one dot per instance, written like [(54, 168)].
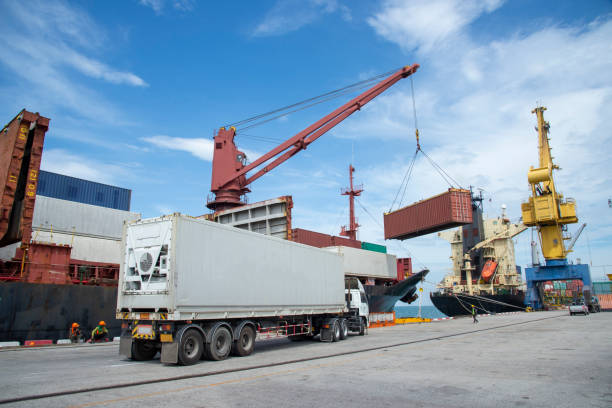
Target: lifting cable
[(306, 103), (401, 192)]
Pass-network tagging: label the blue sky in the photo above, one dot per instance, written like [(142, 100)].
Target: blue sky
[(135, 90)]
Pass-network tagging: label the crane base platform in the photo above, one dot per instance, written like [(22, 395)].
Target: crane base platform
[(558, 269)]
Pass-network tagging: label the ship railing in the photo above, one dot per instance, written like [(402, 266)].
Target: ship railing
[(80, 272)]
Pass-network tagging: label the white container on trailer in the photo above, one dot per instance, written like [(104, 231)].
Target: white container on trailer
[(193, 269), (366, 264)]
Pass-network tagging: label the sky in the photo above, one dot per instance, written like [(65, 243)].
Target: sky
[(136, 90)]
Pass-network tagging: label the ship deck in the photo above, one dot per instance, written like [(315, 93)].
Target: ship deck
[(537, 359)]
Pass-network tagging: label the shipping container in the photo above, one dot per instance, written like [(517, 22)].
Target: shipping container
[(447, 210), (602, 288), (83, 191), (53, 215), (207, 270), (368, 246), (404, 268), (347, 242), (311, 238), (366, 264), (605, 301), (321, 240), (21, 145)]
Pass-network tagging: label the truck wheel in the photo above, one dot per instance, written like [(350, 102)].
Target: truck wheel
[(190, 347), (220, 344), (245, 343), (343, 329), (335, 323), (362, 326), (143, 350)]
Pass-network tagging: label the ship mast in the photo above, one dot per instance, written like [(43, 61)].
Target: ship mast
[(350, 231)]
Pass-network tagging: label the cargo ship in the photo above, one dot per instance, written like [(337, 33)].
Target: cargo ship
[(484, 271)]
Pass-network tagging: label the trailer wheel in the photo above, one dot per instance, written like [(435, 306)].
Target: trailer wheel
[(143, 350), (190, 347), (335, 330), (220, 344), (362, 326), (245, 343), (343, 329)]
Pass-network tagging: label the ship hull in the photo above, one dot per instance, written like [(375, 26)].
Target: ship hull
[(452, 305), (32, 311), (382, 299)]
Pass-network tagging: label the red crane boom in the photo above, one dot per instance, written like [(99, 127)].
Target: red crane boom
[(229, 168)]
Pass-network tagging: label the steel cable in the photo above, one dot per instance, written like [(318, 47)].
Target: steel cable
[(341, 91)]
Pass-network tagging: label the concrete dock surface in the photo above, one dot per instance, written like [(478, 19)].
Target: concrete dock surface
[(542, 359)]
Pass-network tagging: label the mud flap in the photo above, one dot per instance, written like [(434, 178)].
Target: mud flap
[(125, 346), (169, 353), (327, 334)]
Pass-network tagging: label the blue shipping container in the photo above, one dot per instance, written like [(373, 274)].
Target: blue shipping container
[(83, 191)]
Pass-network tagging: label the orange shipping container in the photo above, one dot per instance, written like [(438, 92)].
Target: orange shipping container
[(447, 210)]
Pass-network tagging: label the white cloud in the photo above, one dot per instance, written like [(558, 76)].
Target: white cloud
[(45, 49), (291, 15), (64, 162), (159, 5), (423, 24), (198, 147)]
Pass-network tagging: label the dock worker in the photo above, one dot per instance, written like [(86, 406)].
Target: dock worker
[(75, 333), (474, 314), (100, 332)]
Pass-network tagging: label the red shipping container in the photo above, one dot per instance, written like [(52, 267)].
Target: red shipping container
[(21, 145), (447, 210), (312, 238), (341, 241), (404, 268)]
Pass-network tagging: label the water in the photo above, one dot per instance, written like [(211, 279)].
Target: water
[(413, 311)]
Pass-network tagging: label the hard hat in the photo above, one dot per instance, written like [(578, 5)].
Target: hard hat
[(75, 324), (473, 306), (102, 323)]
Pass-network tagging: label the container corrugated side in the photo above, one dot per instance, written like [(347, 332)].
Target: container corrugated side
[(83, 191), (312, 238), (347, 242), (447, 210), (218, 272), (21, 144), (366, 264), (69, 217)]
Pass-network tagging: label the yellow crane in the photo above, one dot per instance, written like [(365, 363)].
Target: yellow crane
[(550, 212), (547, 209)]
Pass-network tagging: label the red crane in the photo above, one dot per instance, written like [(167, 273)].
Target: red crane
[(229, 169)]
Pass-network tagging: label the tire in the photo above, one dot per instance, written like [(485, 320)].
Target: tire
[(343, 329), (191, 347), (244, 345), (362, 326), (335, 323), (143, 350), (220, 344)]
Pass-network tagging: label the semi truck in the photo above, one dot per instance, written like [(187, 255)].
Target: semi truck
[(193, 289)]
